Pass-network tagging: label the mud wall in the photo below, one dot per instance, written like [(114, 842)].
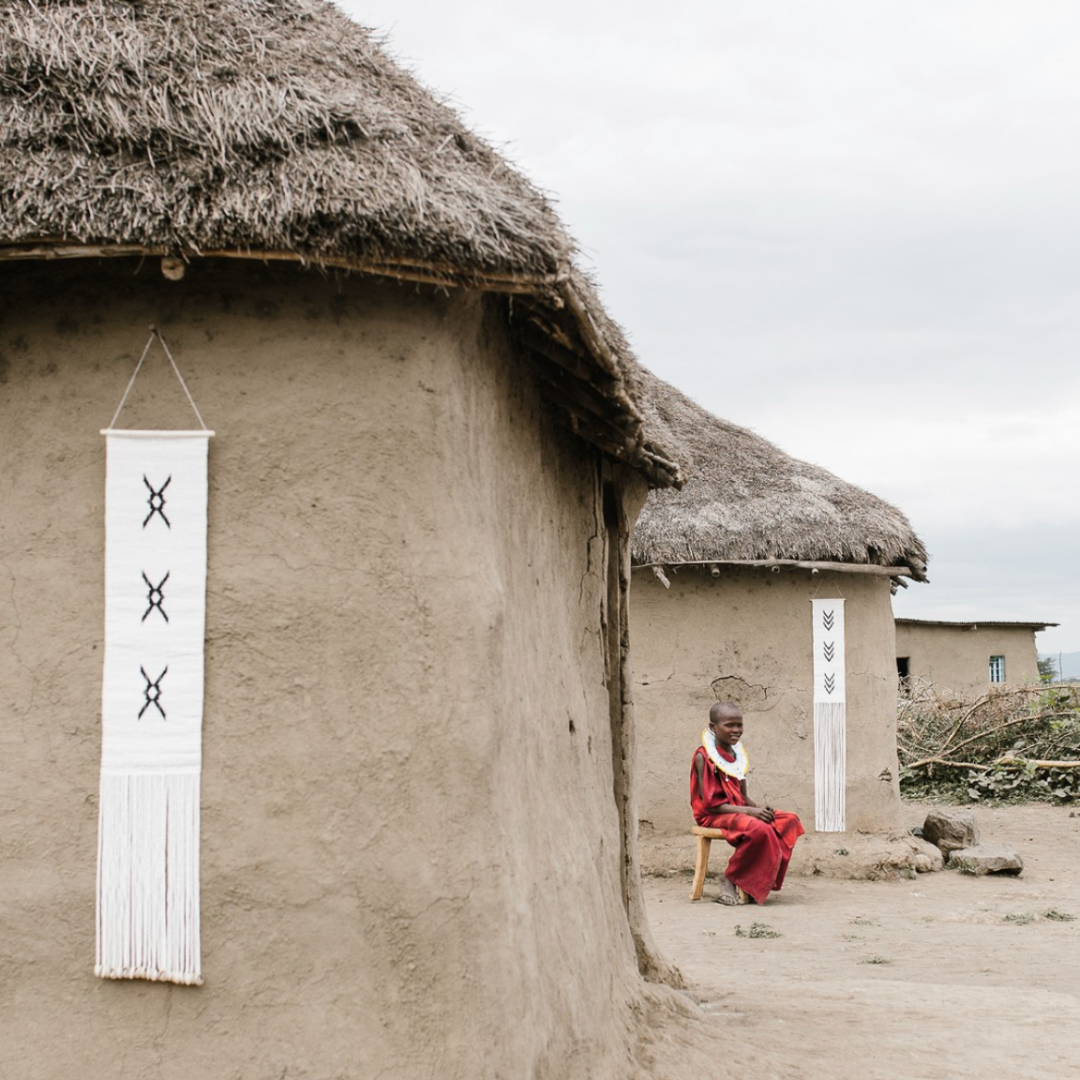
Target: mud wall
[(745, 636), (954, 658), (410, 855)]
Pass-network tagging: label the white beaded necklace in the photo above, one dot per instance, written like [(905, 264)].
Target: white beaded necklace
[(737, 768)]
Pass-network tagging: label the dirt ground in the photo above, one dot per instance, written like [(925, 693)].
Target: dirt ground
[(929, 977)]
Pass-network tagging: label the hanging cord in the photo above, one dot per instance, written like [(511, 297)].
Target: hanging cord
[(817, 587), (155, 333)]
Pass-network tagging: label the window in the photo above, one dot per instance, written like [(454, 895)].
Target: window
[(997, 669), (903, 670)]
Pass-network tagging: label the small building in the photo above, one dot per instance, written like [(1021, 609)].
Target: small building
[(418, 823), (724, 572), (966, 657)]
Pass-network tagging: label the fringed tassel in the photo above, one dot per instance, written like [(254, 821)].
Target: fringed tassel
[(830, 766), (148, 878)]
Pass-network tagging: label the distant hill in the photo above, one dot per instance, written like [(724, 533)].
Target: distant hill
[(1070, 663)]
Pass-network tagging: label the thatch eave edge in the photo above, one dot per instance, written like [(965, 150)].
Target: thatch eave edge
[(799, 564), (416, 271)]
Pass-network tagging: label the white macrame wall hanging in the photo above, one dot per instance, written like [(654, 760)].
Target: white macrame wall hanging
[(152, 700), (830, 716)]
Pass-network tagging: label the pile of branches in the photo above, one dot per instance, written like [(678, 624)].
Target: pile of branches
[(1009, 744)]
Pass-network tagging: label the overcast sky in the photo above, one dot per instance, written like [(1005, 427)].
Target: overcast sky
[(853, 227)]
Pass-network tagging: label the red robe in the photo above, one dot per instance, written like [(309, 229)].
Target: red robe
[(762, 851)]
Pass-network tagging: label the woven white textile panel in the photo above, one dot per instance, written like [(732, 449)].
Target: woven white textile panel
[(830, 716), (155, 601), (152, 705)]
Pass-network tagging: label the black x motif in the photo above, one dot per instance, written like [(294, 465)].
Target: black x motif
[(830, 647), (830, 683), (152, 692), (155, 596), (156, 502), (826, 616)]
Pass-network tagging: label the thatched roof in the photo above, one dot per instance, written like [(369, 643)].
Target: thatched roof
[(280, 129), (745, 500)]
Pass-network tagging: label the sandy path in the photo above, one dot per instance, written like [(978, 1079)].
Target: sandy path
[(923, 979)]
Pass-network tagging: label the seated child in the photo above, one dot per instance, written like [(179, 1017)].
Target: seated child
[(762, 837)]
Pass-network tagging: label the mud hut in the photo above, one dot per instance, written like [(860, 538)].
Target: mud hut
[(724, 572), (967, 657), (417, 844)]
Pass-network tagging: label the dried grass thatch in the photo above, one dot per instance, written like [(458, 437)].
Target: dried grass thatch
[(262, 125), (279, 129), (745, 500)]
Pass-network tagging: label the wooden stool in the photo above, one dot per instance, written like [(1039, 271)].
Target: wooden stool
[(705, 837)]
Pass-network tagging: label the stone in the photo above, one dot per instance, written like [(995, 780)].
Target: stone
[(927, 858), (987, 859), (951, 829)]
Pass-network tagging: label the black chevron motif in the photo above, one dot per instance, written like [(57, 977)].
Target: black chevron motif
[(830, 651), (827, 619), (830, 683)]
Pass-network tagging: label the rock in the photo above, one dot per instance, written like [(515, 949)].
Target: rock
[(951, 829), (927, 858), (987, 859)]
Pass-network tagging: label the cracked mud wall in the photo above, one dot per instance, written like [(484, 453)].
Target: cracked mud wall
[(745, 636), (410, 851)]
